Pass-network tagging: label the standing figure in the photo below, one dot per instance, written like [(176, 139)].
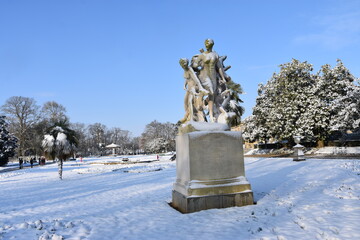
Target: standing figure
[(32, 162), (21, 161), (194, 94), (211, 95), (211, 74)]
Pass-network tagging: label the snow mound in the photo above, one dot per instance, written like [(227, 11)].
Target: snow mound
[(46, 230)]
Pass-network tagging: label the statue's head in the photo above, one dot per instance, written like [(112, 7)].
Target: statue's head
[(184, 62), (209, 43)]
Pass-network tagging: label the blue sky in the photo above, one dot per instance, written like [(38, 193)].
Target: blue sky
[(116, 62)]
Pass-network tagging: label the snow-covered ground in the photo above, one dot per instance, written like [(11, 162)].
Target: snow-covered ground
[(313, 151), (315, 199)]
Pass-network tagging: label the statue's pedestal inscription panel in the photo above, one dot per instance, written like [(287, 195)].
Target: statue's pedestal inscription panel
[(210, 171)]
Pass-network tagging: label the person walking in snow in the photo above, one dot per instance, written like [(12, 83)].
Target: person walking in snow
[(31, 162), (21, 163)]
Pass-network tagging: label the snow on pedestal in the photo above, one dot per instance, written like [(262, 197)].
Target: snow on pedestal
[(210, 171)]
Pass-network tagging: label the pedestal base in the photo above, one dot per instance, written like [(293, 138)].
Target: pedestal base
[(210, 171), (197, 203), (298, 153)]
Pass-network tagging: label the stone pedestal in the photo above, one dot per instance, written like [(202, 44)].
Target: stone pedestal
[(298, 153), (210, 172)]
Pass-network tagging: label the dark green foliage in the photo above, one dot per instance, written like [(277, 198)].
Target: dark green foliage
[(61, 152), (7, 143)]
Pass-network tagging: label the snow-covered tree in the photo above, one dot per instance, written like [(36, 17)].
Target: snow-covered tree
[(156, 145), (7, 142), (282, 102), (334, 88), (297, 102), (348, 110), (60, 142), (164, 132), (344, 104), (259, 122)]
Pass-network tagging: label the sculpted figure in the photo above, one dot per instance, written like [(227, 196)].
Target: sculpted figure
[(210, 92), (208, 66), (193, 102)]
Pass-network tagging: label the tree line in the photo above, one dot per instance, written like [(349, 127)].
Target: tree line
[(296, 101), (29, 122)]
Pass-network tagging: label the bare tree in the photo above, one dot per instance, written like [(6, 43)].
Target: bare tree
[(135, 145), (22, 113), (120, 137), (97, 136), (53, 112), (82, 136)]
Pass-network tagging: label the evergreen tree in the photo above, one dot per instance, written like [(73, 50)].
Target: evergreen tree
[(261, 118), (333, 92), (282, 102), (7, 142), (297, 102), (348, 110)]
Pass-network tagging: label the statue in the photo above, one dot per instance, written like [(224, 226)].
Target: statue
[(209, 97), (193, 101), (210, 170)]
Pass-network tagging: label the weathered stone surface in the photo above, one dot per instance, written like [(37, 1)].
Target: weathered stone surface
[(210, 171), (206, 78), (186, 204)]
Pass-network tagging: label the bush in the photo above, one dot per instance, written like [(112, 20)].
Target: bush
[(3, 161)]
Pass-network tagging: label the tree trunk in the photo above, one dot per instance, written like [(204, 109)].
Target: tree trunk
[(320, 143), (60, 168)]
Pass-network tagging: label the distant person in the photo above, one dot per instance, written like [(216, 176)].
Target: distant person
[(21, 163), (31, 162)]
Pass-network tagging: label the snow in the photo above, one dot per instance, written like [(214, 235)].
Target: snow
[(205, 126), (61, 138), (314, 151), (314, 199), (233, 134), (339, 150), (48, 141)]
